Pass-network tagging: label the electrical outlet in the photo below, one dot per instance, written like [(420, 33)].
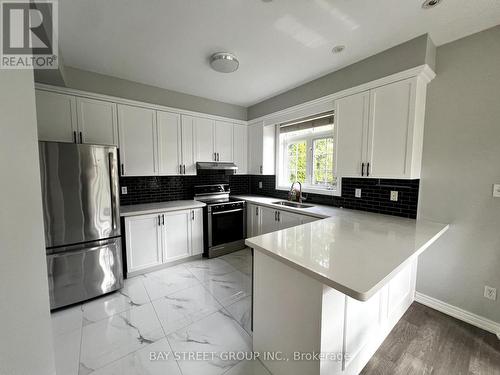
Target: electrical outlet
[(394, 195), (490, 292), (124, 190), (357, 193), (496, 191), (260, 184)]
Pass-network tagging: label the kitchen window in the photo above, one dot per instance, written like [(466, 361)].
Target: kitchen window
[(306, 152)]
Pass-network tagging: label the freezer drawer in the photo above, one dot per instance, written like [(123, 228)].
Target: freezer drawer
[(80, 272)]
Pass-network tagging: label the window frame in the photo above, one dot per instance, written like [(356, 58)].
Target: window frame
[(281, 169)]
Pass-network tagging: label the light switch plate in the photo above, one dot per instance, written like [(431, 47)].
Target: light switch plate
[(124, 190), (496, 190), (394, 195), (357, 193)]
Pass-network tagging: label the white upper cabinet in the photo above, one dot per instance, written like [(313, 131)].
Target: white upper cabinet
[(392, 121), (380, 132), (137, 130), (223, 137), (240, 148), (188, 157), (169, 143), (203, 139), (96, 121), (351, 120), (261, 148), (56, 117)]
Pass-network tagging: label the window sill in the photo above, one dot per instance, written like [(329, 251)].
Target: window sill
[(335, 192)]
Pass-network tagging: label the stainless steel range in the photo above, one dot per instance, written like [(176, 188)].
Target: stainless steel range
[(224, 220)]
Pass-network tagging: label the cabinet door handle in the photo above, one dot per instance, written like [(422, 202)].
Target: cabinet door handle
[(159, 220), (192, 215), (74, 136), (275, 215), (162, 219), (184, 169), (214, 157), (261, 169), (81, 137), (123, 169), (180, 168), (279, 215), (256, 211), (367, 169), (362, 169)]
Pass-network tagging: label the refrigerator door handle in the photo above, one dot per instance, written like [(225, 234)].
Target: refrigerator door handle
[(113, 189)]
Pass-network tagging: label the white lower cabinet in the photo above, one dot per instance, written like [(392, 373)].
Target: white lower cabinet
[(196, 231), (156, 239), (143, 236), (263, 219), (176, 235)]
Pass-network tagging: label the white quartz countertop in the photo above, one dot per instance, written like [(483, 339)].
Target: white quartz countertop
[(354, 252), (318, 210), (152, 208)]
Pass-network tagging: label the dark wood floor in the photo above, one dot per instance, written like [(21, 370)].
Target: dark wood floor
[(426, 341)]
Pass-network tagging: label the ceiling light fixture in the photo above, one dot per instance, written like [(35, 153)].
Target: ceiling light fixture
[(430, 3), (338, 49), (224, 62)]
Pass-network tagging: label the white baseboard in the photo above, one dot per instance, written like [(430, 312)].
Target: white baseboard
[(456, 312)]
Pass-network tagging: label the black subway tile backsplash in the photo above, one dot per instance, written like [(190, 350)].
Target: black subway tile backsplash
[(375, 193), (169, 188)]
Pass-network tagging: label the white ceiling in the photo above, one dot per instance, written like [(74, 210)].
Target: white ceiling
[(280, 44)]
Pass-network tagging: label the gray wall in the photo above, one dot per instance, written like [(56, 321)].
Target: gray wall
[(104, 84), (461, 161), (25, 326), (404, 56)]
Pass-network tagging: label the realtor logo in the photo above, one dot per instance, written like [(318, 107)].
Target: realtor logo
[(29, 34)]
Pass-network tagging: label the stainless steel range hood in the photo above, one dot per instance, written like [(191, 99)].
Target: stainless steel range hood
[(215, 167)]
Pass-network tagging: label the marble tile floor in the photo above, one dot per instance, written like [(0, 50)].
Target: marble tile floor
[(197, 306)]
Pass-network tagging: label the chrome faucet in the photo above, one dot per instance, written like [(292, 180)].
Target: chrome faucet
[(292, 194)]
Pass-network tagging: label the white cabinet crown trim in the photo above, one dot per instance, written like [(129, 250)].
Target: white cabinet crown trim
[(423, 72), (136, 103)]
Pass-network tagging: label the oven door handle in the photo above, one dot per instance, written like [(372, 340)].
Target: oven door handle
[(226, 212)]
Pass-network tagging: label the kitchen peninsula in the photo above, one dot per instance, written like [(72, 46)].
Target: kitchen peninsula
[(335, 286)]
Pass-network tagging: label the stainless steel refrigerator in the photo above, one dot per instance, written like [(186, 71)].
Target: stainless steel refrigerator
[(82, 221)]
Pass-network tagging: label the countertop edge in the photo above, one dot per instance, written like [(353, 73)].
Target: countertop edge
[(300, 211), (356, 294), (324, 280), (146, 211)]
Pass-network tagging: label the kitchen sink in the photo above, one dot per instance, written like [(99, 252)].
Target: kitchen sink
[(293, 204)]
